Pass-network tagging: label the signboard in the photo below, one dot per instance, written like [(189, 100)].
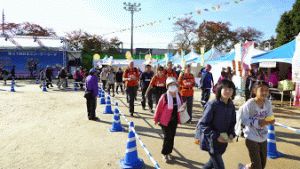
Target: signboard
[(28, 61), (296, 62), (267, 64)]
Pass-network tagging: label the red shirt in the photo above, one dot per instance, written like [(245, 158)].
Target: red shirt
[(170, 73), (131, 73), (157, 81), (186, 83)]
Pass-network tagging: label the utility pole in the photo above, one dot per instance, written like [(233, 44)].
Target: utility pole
[(3, 21), (132, 7)]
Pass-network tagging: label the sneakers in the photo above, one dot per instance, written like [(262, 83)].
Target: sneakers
[(167, 158), (242, 166)]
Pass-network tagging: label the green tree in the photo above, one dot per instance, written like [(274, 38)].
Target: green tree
[(289, 25), (217, 34)]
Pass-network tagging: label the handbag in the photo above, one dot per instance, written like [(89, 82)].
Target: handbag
[(184, 116)]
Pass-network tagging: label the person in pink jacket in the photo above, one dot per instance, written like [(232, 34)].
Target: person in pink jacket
[(167, 116)]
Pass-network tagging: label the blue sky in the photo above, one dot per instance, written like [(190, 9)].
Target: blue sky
[(103, 16)]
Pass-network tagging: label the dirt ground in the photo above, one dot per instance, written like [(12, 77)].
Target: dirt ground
[(50, 130)]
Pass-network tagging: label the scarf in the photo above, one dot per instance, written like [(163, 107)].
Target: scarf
[(170, 100)]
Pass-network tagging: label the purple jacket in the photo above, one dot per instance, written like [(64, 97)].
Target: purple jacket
[(91, 84)]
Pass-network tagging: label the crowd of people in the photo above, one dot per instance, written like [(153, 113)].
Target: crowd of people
[(169, 90)]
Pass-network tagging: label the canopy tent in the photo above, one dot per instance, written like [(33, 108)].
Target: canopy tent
[(168, 57), (209, 55), (229, 57), (283, 54), (251, 53), (192, 55)]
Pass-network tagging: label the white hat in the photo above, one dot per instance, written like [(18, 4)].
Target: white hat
[(170, 80)]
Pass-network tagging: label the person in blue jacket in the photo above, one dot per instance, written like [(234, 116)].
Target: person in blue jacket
[(217, 124)]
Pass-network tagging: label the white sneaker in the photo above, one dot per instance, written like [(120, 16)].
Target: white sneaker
[(241, 166), (165, 158), (170, 157)]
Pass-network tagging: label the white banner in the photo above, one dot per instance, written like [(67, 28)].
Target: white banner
[(267, 64), (296, 62)]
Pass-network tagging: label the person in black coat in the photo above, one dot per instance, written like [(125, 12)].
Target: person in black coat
[(217, 124)]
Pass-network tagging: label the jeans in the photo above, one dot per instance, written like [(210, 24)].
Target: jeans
[(258, 153), (215, 162), (149, 98), (205, 96), (91, 107), (131, 93), (189, 105), (169, 134)]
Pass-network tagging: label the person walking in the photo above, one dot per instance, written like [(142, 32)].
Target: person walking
[(250, 81), (49, 74), (186, 83), (119, 80), (145, 79), (168, 117), (5, 75), (91, 92), (13, 72), (131, 78), (103, 77), (169, 71), (62, 78), (217, 125), (206, 84), (157, 84), (254, 117), (111, 79)]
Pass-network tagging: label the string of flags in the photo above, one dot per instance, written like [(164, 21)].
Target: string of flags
[(199, 11)]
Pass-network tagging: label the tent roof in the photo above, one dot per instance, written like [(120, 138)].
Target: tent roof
[(30, 42), (225, 58), (283, 53)]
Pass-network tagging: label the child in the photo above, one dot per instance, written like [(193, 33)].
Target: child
[(167, 115), (255, 112), (217, 124)]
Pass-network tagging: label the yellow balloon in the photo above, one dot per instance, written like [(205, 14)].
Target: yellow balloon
[(128, 55), (96, 56)]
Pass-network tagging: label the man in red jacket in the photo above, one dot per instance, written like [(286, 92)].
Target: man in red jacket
[(131, 78)]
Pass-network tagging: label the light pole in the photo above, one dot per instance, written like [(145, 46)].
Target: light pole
[(132, 7)]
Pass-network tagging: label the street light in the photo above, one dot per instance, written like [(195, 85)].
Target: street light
[(132, 8)]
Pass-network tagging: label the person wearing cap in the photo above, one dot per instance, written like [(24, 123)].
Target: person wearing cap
[(186, 83), (157, 84), (170, 72), (91, 92), (206, 84), (131, 78), (145, 79), (168, 117)]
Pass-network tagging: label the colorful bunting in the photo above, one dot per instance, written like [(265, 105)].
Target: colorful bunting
[(216, 7)]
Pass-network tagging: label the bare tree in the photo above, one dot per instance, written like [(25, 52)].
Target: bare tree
[(185, 28)]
